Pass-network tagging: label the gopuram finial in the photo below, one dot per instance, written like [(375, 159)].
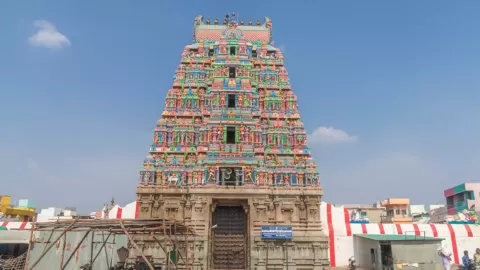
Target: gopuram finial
[(216, 21), (250, 22), (208, 21), (241, 22), (258, 22)]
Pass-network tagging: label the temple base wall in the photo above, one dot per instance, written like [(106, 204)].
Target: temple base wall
[(295, 206)]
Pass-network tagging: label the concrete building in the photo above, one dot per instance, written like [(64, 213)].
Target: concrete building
[(397, 210), (462, 197), (372, 213), (377, 251), (24, 210), (423, 213)]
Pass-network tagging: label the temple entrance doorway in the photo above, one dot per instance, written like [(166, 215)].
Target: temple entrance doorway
[(229, 237)]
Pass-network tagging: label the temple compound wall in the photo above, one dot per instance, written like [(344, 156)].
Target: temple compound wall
[(230, 155)]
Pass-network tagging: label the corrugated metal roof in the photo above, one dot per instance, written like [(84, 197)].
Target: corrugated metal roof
[(396, 237)]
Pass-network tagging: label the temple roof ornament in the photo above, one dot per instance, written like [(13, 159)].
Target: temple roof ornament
[(259, 32)]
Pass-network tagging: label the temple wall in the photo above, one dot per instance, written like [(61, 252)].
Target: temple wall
[(339, 232)]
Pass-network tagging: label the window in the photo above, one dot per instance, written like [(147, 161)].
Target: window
[(231, 72), (397, 212), (449, 201), (210, 52), (231, 135), (231, 102), (254, 54), (232, 50), (404, 211)]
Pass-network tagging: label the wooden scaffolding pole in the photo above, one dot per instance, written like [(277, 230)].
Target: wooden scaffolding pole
[(30, 242), (75, 250), (53, 243), (136, 246)]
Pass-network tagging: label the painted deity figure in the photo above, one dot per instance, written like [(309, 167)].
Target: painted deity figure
[(222, 100), (211, 174), (219, 133), (240, 99), (248, 175), (286, 179), (213, 134), (241, 50), (232, 83)]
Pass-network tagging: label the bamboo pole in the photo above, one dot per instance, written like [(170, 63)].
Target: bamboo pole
[(167, 255), (75, 250), (53, 243), (30, 242), (186, 250), (158, 242), (105, 248), (100, 250), (63, 250), (91, 249), (113, 250), (136, 246)]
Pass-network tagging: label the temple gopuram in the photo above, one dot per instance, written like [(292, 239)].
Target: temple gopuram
[(230, 158)]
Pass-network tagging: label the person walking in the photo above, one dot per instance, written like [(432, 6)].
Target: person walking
[(446, 258)]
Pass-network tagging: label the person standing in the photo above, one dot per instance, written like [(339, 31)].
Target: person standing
[(466, 260), (446, 258)]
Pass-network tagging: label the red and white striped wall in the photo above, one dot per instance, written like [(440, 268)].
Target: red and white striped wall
[(336, 224), (130, 211), (15, 225)]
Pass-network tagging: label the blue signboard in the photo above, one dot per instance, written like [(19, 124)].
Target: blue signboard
[(276, 232)]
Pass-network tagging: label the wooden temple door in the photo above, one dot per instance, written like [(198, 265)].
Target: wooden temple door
[(229, 238)]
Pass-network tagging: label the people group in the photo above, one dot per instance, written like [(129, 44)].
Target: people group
[(467, 263)]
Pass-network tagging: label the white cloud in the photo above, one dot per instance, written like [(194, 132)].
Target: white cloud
[(31, 164), (330, 135), (47, 36)]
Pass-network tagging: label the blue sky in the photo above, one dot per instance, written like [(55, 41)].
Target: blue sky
[(388, 90)]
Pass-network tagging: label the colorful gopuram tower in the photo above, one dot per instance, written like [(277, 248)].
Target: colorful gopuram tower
[(230, 156)]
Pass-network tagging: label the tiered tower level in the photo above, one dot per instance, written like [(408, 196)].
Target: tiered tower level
[(230, 136)]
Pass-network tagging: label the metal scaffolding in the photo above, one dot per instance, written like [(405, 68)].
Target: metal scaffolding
[(161, 231)]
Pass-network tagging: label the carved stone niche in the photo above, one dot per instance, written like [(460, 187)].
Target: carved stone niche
[(260, 210), (171, 209), (300, 204), (188, 208), (158, 202), (287, 211), (199, 205)]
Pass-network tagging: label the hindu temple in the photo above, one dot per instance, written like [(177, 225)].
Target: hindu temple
[(230, 156)]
